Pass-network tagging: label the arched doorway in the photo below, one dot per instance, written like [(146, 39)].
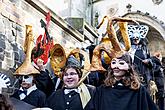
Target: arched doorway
[(156, 34)]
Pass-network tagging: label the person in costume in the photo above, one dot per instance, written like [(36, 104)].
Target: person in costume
[(122, 89), (72, 96), (139, 52), (44, 79), (28, 92), (158, 77), (41, 58)]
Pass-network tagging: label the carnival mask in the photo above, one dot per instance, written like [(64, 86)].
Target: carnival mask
[(137, 32)]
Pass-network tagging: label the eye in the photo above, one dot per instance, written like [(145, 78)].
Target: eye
[(66, 74), (73, 73), (26, 77)]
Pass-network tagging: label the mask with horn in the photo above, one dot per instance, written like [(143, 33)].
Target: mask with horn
[(110, 44)]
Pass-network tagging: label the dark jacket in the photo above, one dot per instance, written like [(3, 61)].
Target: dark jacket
[(71, 101), (45, 83), (123, 98), (36, 98), (144, 70), (158, 76)]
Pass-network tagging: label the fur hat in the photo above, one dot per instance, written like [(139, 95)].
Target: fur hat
[(72, 62)]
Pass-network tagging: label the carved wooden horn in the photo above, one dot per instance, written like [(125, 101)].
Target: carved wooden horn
[(27, 68), (114, 49), (57, 59)]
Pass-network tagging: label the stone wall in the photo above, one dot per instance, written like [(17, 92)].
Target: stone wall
[(157, 45)]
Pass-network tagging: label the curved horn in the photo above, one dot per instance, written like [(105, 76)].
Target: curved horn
[(86, 68), (75, 53), (101, 22), (124, 32), (27, 68), (57, 59), (122, 22), (114, 49), (96, 64)]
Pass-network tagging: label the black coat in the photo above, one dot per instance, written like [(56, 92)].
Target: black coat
[(60, 101), (122, 98), (143, 69), (158, 76), (45, 83), (36, 98)]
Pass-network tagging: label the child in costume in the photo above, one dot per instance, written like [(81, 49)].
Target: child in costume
[(72, 96)]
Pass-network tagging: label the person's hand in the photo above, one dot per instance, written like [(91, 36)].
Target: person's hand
[(145, 61), (40, 64)]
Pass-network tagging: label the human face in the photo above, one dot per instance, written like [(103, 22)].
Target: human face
[(136, 38), (119, 67), (70, 78), (40, 64), (27, 81)]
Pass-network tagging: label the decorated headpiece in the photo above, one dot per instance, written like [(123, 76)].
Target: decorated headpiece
[(139, 31), (43, 43), (57, 59), (110, 44)]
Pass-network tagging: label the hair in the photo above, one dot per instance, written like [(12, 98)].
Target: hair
[(5, 103), (143, 42), (78, 70), (158, 55), (131, 78)]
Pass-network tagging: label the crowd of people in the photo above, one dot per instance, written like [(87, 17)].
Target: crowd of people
[(124, 86)]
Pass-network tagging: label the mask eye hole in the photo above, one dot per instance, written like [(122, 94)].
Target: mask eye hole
[(26, 77), (121, 63), (113, 62)]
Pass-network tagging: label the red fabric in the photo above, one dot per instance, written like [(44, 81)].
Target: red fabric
[(45, 44)]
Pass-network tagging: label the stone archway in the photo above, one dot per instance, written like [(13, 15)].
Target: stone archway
[(156, 34)]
